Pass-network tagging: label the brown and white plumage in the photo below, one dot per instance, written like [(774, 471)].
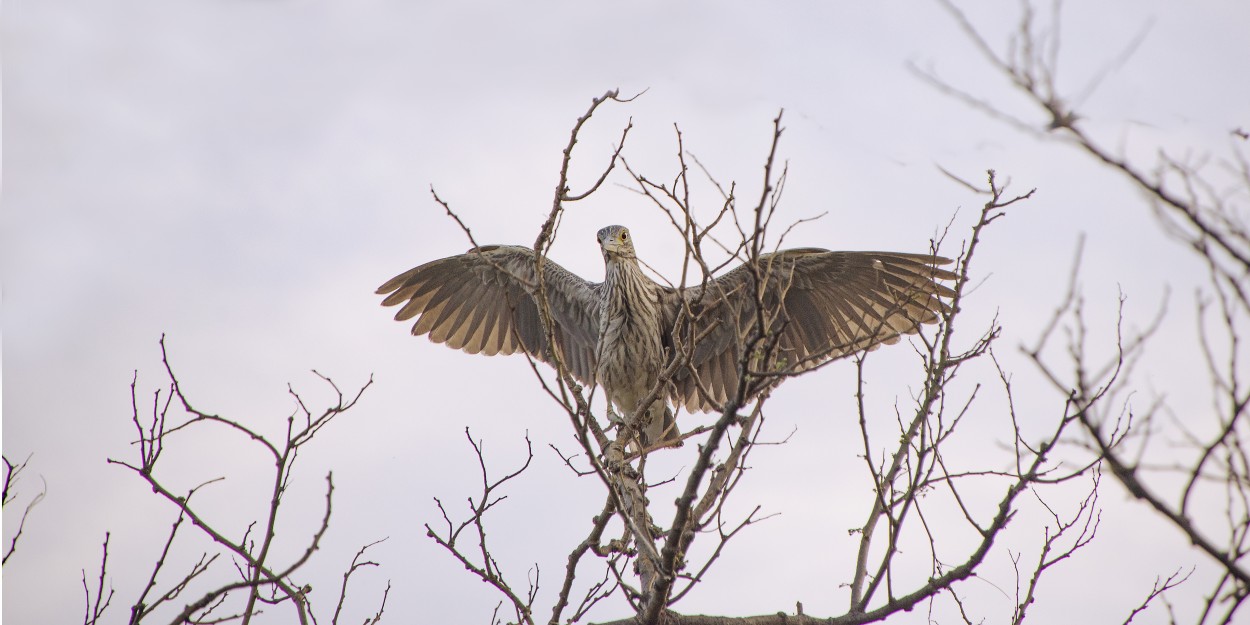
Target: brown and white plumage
[(817, 306)]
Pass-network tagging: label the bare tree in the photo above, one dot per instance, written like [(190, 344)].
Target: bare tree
[(935, 518), (645, 548), (1167, 457), (204, 591)]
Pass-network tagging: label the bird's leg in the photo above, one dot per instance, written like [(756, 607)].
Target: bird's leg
[(614, 419), (630, 432), (657, 428)]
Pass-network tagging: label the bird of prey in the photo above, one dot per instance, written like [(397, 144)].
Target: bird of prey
[(809, 306)]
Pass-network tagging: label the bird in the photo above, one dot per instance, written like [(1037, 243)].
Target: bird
[(811, 306)]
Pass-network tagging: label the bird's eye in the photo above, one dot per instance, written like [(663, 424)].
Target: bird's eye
[(624, 236)]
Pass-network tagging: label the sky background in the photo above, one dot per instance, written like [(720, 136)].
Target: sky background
[(241, 175)]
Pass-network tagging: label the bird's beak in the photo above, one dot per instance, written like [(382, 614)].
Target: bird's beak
[(612, 244)]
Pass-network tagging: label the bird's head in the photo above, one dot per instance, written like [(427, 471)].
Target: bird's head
[(616, 243)]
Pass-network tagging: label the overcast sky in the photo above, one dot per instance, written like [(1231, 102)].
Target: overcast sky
[(241, 175)]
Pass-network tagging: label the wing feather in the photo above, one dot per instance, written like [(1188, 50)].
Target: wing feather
[(455, 298), (453, 330), (823, 305), (485, 301), (475, 331)]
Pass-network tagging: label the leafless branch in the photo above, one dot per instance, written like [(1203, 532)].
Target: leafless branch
[(94, 610), (1197, 204), (263, 582), (12, 473), (483, 564)]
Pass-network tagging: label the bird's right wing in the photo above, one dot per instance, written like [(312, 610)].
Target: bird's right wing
[(486, 301)]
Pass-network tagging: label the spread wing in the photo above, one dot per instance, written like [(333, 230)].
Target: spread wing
[(818, 305), (485, 302)]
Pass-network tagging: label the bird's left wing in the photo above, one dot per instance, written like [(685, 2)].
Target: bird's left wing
[(817, 305), (486, 301)]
